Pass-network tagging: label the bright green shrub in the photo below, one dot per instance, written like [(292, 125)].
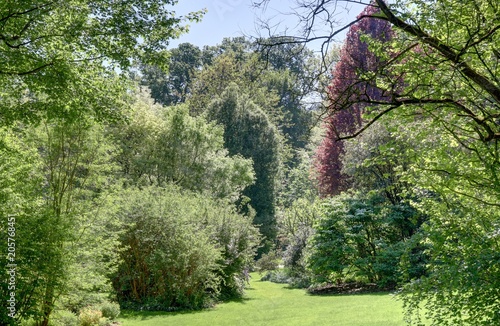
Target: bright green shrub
[(181, 250), (268, 262), (104, 322), (65, 318), (110, 310)]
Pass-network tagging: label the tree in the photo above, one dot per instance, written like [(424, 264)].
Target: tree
[(376, 160), (295, 84), (279, 80), (355, 59), (173, 87), (161, 145), (362, 237), (451, 88), (240, 46), (46, 46), (249, 132), (457, 189), (244, 70), (64, 246), (21, 208)]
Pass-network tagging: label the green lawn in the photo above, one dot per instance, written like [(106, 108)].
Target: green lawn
[(267, 303)]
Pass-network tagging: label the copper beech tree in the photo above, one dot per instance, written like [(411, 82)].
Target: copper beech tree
[(345, 115)]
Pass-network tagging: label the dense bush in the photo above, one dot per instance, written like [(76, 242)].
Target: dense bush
[(276, 276), (110, 310), (181, 250), (361, 235), (90, 317), (268, 262)]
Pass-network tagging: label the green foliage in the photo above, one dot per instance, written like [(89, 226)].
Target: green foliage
[(295, 227), (277, 90), (457, 187), (182, 250), (19, 201), (110, 310), (302, 213), (173, 87), (294, 256), (362, 235), (65, 318), (62, 73), (299, 182), (463, 272), (442, 97), (268, 262), (89, 317), (454, 176), (58, 211), (166, 145), (228, 69), (249, 132), (375, 160)]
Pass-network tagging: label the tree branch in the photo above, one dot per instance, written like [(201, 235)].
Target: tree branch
[(14, 73), (442, 48)]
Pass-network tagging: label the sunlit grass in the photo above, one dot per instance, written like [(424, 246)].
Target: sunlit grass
[(268, 303)]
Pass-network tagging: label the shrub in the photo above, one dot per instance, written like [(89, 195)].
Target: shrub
[(363, 233), (78, 298), (276, 276), (104, 322), (293, 256), (268, 262), (182, 250), (65, 318), (90, 316), (110, 310)]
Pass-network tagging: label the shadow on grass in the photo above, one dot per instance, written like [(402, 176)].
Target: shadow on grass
[(341, 294), (378, 294), (145, 315)]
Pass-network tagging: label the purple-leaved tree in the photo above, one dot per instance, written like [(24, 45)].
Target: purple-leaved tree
[(347, 90)]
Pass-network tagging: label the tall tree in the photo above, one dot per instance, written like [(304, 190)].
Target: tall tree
[(173, 87), (347, 83), (295, 83), (249, 132), (61, 233), (161, 145), (278, 78)]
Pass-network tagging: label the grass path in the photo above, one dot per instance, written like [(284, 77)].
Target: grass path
[(269, 304)]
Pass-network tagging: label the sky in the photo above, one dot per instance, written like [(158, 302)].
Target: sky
[(232, 18)]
